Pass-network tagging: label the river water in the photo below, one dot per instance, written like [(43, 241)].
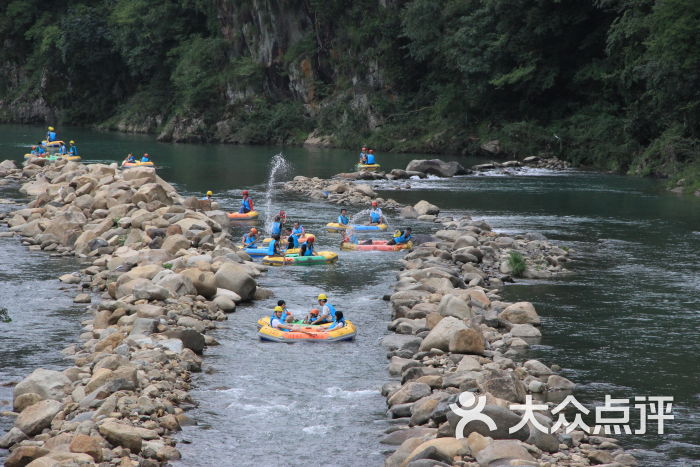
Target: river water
[(625, 324)]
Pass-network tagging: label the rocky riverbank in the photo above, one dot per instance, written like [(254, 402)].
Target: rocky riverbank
[(165, 273), (454, 333)]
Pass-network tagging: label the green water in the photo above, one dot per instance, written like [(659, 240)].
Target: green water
[(626, 323)]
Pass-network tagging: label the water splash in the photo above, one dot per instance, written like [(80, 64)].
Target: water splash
[(362, 217), (279, 167)]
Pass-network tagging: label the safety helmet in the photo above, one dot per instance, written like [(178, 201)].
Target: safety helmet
[(145, 154), (245, 192), (50, 128), (278, 308), (71, 142), (254, 231), (33, 147), (314, 311), (364, 148), (282, 214), (322, 296), (371, 151), (209, 193), (397, 234), (310, 238), (374, 203)]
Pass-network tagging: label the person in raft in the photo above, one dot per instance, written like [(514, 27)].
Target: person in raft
[(208, 196), (277, 322), (311, 316), (290, 238), (40, 151), (307, 248), (50, 135), (375, 214), (73, 150), (130, 158), (400, 237), (370, 157), (287, 316), (273, 249), (276, 227), (246, 203), (62, 150), (363, 155), (327, 314), (338, 322), (145, 158), (343, 218), (297, 232), (250, 238)]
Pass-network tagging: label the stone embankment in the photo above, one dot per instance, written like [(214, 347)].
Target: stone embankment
[(165, 274), (452, 332), (551, 163)]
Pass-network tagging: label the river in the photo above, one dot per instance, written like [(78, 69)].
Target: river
[(626, 323)]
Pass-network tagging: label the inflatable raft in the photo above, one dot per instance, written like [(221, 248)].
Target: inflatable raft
[(309, 333), (243, 217), (48, 157), (283, 241), (265, 321), (368, 167), (71, 158), (264, 251), (321, 257), (52, 144), (137, 164), (376, 245), (335, 227)]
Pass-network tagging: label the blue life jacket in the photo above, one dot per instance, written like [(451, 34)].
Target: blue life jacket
[(296, 233), (73, 150), (337, 324), (331, 310), (245, 205), (343, 220), (309, 249), (281, 321), (271, 248), (404, 238), (40, 150), (51, 136), (370, 158), (276, 228), (131, 159), (248, 240), (375, 217), (144, 159)]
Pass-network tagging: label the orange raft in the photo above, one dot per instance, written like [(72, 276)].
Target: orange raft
[(243, 216), (308, 333), (376, 245)]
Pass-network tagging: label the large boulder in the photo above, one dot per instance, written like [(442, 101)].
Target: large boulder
[(435, 167), (138, 173), (520, 313), (452, 305), (409, 392), (440, 449), (175, 243), (235, 277), (36, 417), (439, 337), (423, 207), (177, 284), (511, 450), (48, 384), (151, 192), (203, 281), (502, 384), (467, 341), (121, 434), (190, 338)]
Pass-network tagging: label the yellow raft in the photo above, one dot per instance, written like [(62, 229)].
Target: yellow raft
[(240, 216), (368, 167), (52, 156), (137, 164), (52, 144), (321, 257), (335, 227), (308, 333), (265, 321)]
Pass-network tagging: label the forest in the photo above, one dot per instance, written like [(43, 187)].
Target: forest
[(609, 84)]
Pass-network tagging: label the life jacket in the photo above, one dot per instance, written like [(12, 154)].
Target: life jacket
[(375, 215), (144, 159), (273, 248), (51, 136), (309, 249), (280, 320), (343, 220), (298, 232), (248, 240), (247, 204), (331, 310), (337, 324), (370, 158), (129, 158), (276, 228)]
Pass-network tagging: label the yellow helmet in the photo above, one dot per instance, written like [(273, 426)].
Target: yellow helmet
[(397, 234), (72, 142), (278, 308), (322, 297), (209, 193), (50, 128)]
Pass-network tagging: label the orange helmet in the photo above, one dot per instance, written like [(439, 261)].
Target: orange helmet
[(374, 203), (254, 231), (245, 192), (310, 239), (314, 311)]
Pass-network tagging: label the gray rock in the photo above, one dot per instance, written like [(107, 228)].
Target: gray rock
[(36, 417), (48, 384), (439, 337)]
